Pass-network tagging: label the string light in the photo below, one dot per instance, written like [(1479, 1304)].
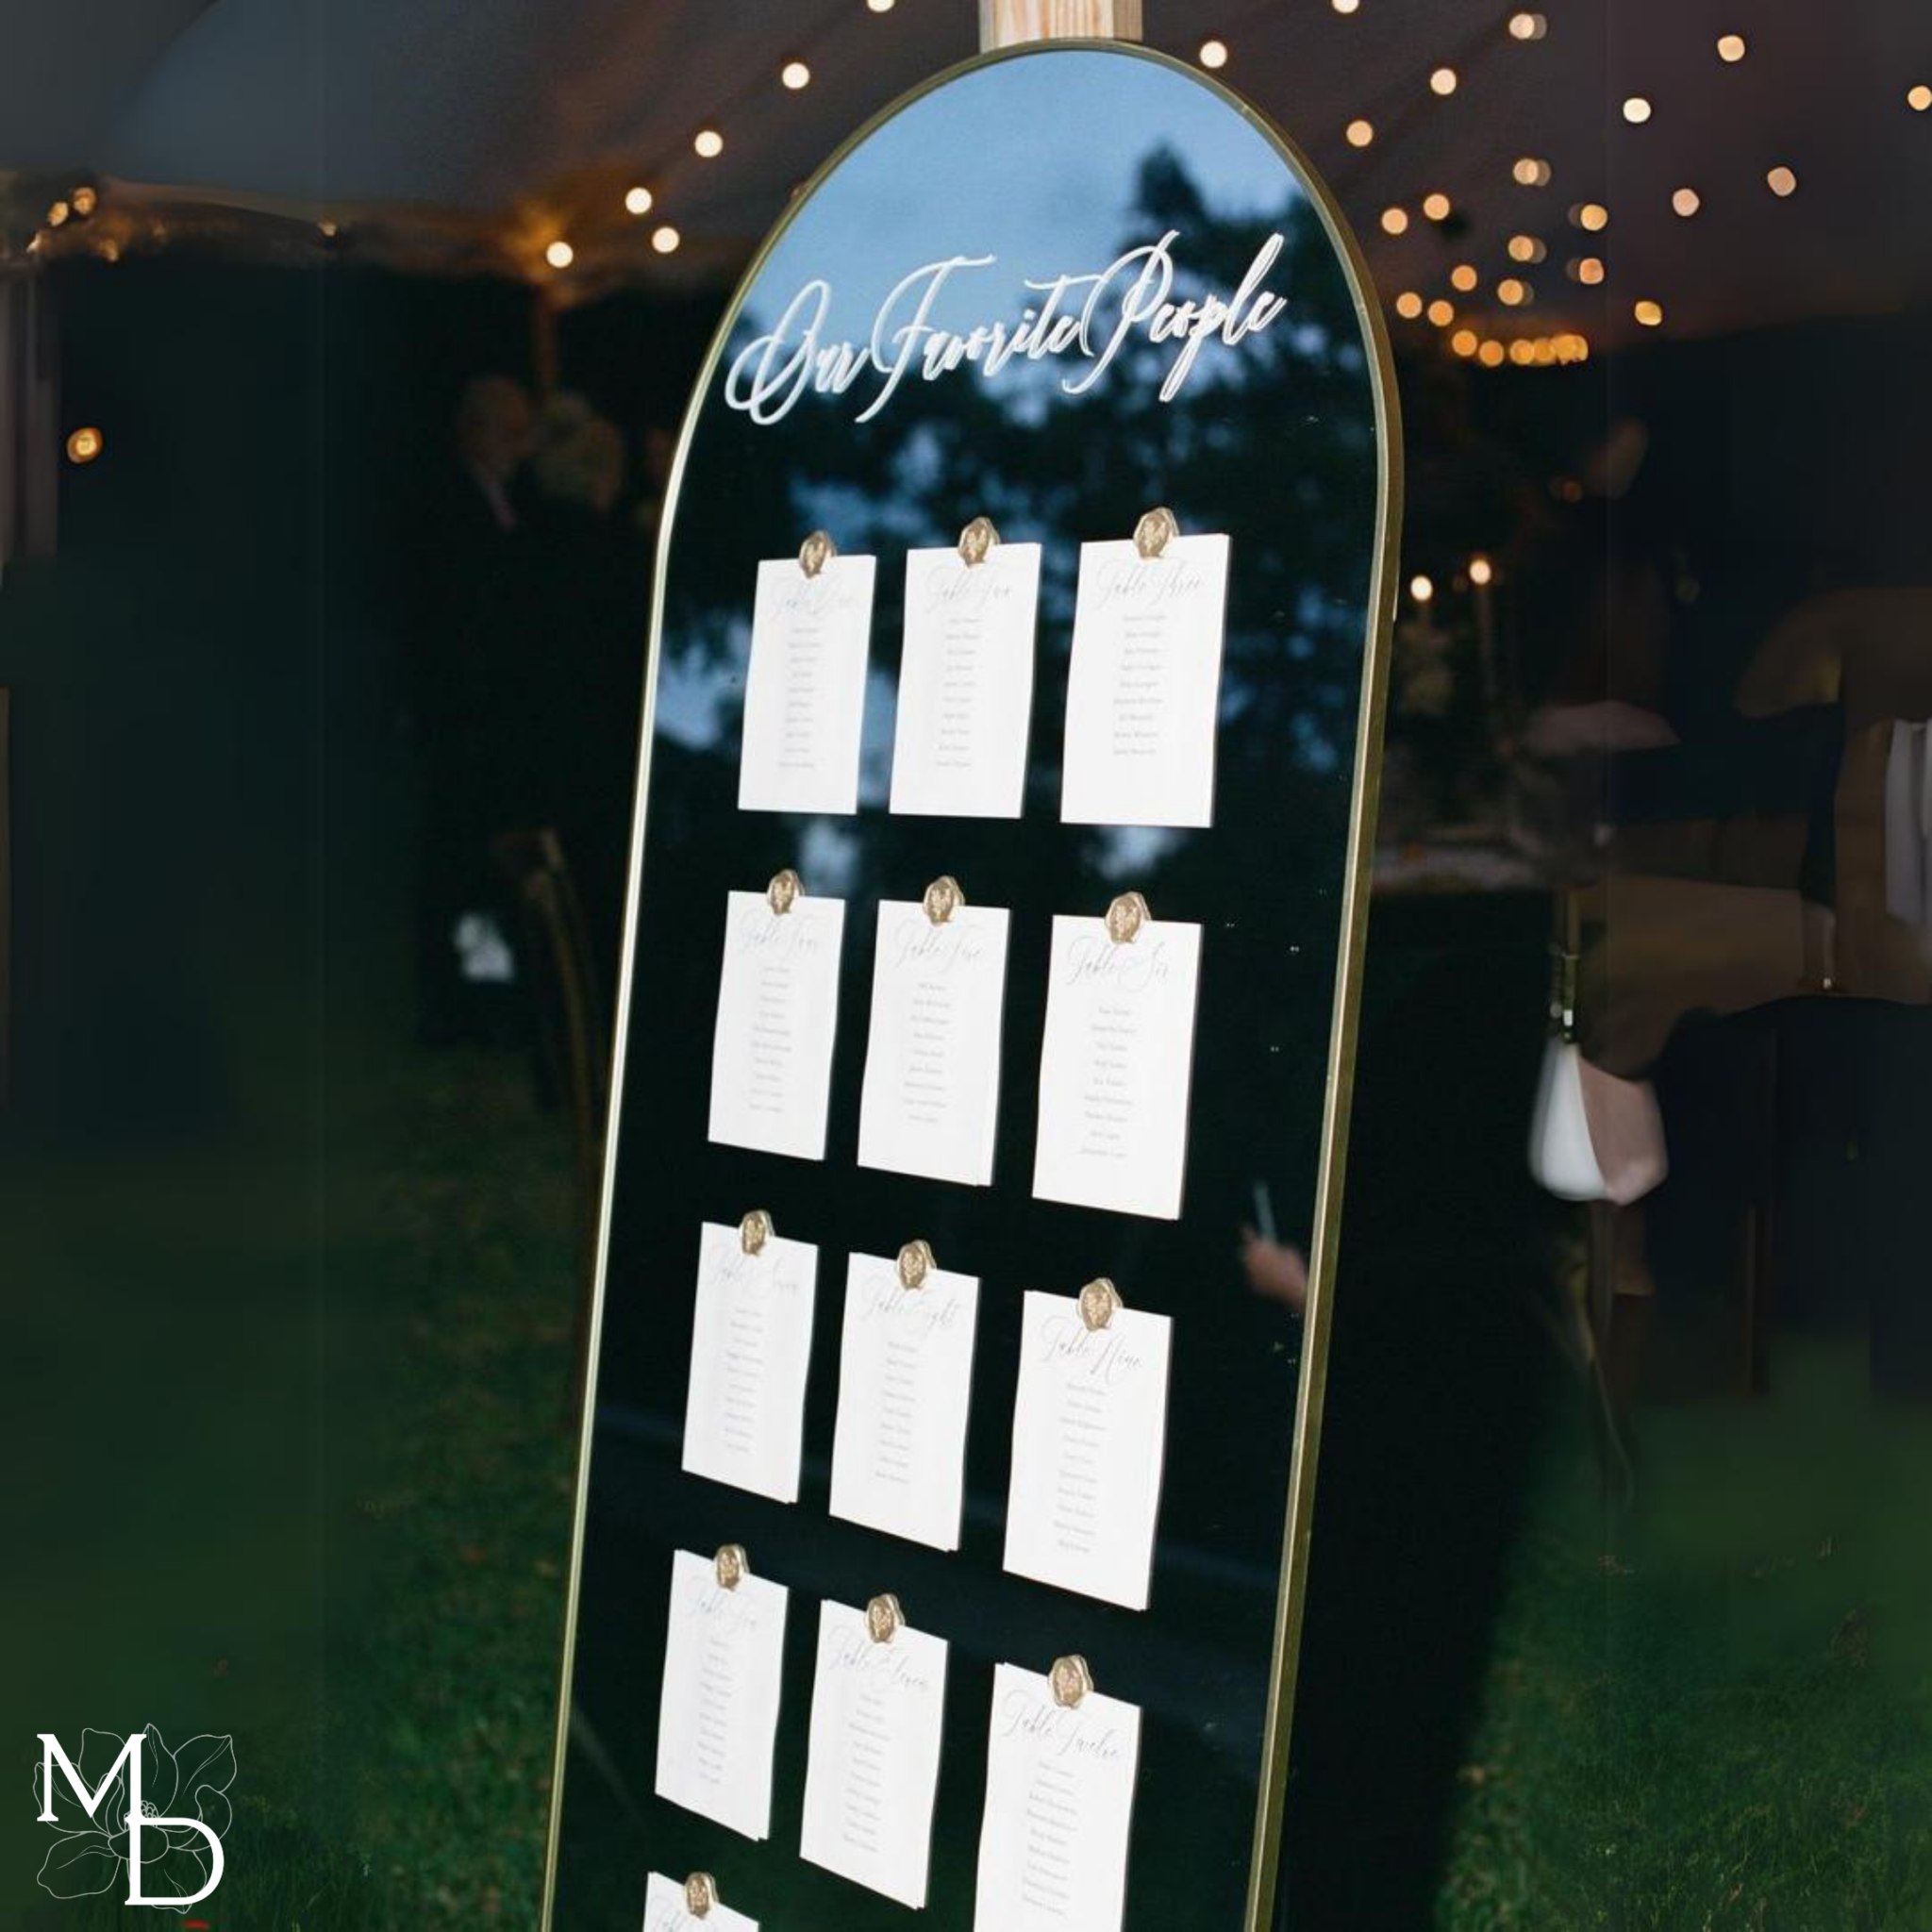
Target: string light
[(1436, 206), (1530, 171), (1394, 221), (559, 254), (1442, 81), (84, 445), (1492, 354), (880, 6), (1650, 314), (1781, 182), (1919, 98), (1409, 305), (1730, 48), (665, 240), (708, 142), (1463, 342), (1345, 5), (1442, 312), (1637, 111), (1463, 276), (1421, 588), (1527, 26), (1526, 248), (1588, 269), (1480, 569), (1213, 53), (1521, 351), (795, 75), (638, 200), (1360, 133), (1591, 215), (1686, 202), (1511, 292)]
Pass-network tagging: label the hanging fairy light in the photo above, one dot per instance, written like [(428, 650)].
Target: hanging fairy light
[(1637, 111), (1422, 588), (1409, 305), (1360, 133), (1648, 313), (665, 240), (559, 254), (1686, 202), (1919, 98), (1531, 171), (794, 74), (1213, 54), (1463, 277), (1730, 48), (1782, 182), (1527, 26), (1442, 82), (1394, 221), (639, 201), (708, 144)]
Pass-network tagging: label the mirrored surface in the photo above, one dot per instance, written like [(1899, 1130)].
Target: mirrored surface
[(1022, 175)]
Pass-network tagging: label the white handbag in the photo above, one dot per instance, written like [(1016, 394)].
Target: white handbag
[(1593, 1137)]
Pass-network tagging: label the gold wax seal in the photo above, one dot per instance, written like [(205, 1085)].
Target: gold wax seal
[(784, 890), (976, 542), (1125, 917), (1071, 1681), (732, 1565), (816, 552), (915, 1264), (942, 898), (700, 1894), (884, 1619), (1099, 1301), (1154, 532), (755, 1231)]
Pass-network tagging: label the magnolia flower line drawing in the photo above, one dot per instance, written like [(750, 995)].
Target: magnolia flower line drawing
[(91, 1854)]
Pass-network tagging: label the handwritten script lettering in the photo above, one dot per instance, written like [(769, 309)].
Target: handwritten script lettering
[(1088, 318)]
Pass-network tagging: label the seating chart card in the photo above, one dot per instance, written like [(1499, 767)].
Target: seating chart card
[(777, 1017), (665, 1911), (1116, 1067), (966, 682), (751, 1344), (905, 1384), (1059, 1794), (1143, 688), (804, 690), (1090, 1437), (930, 1100), (718, 1716), (877, 1716)]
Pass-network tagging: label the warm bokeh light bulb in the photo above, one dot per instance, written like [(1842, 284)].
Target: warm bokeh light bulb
[(1650, 314), (1782, 182), (1442, 81), (1442, 312), (1730, 48), (1394, 221), (1919, 98), (1589, 269), (1409, 305), (1527, 26), (1686, 202), (1360, 133), (1345, 5), (1463, 276), (1492, 354), (1421, 588), (1436, 206), (665, 240), (794, 74), (1480, 569), (1530, 171), (1213, 53), (1637, 111), (638, 201), (84, 445), (1511, 292), (84, 200), (1464, 342), (708, 142), (559, 254)]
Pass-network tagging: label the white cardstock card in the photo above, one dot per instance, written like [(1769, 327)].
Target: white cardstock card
[(751, 1344), (664, 1911), (804, 692), (777, 1017), (930, 1100), (1143, 688), (718, 1718), (1090, 1435), (1116, 1067), (1060, 1796), (966, 682), (878, 1713), (905, 1383)]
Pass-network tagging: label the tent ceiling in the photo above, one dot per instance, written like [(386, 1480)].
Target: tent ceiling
[(501, 125)]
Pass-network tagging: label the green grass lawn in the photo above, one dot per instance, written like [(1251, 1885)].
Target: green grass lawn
[(1712, 1709)]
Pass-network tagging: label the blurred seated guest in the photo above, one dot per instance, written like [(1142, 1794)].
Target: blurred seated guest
[(470, 600), (584, 709)]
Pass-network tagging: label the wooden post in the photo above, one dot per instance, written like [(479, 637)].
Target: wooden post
[(1009, 22)]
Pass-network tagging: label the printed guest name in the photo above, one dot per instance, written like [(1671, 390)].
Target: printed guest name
[(1089, 318)]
